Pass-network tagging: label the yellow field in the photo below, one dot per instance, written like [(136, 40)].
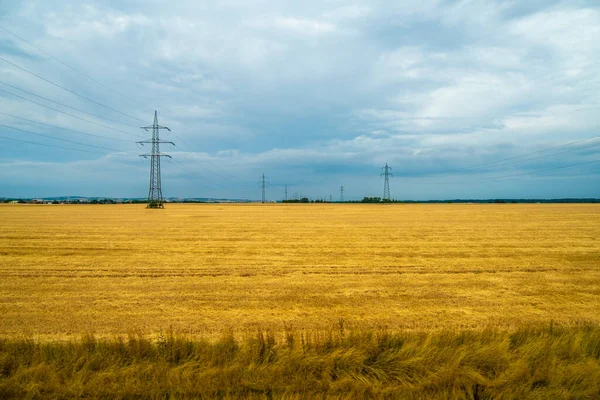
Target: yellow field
[(202, 269)]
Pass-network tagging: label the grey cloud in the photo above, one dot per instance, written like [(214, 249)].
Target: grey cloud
[(304, 89)]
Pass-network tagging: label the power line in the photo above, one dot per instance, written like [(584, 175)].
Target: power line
[(552, 154), (69, 90), (521, 161), (94, 80), (195, 160), (594, 168), (64, 105), (87, 76), (66, 113), (194, 175), (500, 178), (49, 145), (559, 152), (55, 138), (199, 176), (502, 161), (207, 161), (66, 129), (72, 68), (540, 170)]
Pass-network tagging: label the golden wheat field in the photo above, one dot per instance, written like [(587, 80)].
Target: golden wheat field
[(300, 301), (202, 269)]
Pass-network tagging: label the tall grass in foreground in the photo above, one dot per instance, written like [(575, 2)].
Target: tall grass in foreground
[(531, 362)]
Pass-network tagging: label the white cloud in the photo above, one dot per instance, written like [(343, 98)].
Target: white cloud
[(91, 22), (350, 12), (477, 95), (304, 26), (570, 31)]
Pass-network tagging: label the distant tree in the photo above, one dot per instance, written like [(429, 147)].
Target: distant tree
[(371, 200)]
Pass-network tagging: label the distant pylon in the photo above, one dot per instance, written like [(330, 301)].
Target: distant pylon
[(263, 184), (285, 193), (155, 197), (342, 194), (386, 185), (330, 198)]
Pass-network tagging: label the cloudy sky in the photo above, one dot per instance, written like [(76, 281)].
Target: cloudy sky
[(462, 99)]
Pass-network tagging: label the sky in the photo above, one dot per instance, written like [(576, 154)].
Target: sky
[(463, 99)]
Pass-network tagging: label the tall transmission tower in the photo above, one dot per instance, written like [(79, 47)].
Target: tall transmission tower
[(342, 194), (386, 185), (155, 197), (263, 183), (286, 193)]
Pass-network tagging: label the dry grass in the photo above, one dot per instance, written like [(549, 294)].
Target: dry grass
[(203, 269), (541, 363)]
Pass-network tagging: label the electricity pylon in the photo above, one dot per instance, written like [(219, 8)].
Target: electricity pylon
[(263, 183), (285, 193), (386, 185), (155, 197), (341, 194)]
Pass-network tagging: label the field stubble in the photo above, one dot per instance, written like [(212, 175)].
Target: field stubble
[(201, 270)]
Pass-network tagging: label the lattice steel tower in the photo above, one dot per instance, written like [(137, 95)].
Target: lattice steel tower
[(341, 194), (263, 184), (386, 185), (155, 197)]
